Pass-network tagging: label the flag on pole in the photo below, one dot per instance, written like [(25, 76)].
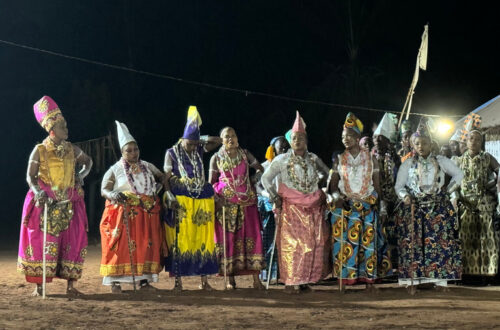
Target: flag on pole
[(422, 52)]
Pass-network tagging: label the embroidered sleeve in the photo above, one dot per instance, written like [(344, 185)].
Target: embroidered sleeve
[(402, 179), (270, 173), (168, 166), (450, 168)]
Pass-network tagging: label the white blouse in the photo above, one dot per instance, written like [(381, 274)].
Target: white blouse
[(424, 178), (356, 170), (121, 181), (279, 172)]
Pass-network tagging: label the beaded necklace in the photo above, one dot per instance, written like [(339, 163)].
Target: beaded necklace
[(419, 167), (137, 168), (226, 164), (366, 164), (304, 183), (193, 185)]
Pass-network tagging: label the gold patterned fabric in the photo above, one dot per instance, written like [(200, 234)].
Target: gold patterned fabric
[(479, 242)]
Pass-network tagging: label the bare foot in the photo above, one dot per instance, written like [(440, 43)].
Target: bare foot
[(370, 288), (292, 289), (412, 290), (442, 288), (116, 288), (70, 291), (37, 292), (306, 288), (148, 287), (257, 285), (205, 286)]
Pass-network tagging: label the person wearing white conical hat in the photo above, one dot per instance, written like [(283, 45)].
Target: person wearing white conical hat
[(190, 218), (302, 232), (384, 138), (130, 187), (479, 240)]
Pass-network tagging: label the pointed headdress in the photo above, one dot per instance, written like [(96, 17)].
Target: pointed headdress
[(193, 123), (472, 123), (299, 126), (124, 135), (388, 127), (47, 112)]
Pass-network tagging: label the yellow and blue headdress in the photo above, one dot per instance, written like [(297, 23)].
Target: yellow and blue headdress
[(192, 129), (352, 122)]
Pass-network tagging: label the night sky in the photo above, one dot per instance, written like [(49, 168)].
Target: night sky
[(300, 49)]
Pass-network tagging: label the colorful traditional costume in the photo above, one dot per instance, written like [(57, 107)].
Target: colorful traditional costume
[(190, 228), (388, 164), (429, 247), (140, 212), (267, 216), (405, 152), (66, 216), (303, 235), (364, 257), (479, 241), (243, 229)]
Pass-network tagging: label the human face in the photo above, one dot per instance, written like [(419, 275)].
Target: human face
[(130, 152), (454, 147), (350, 139), (463, 147), (299, 141), (445, 151), (60, 130), (190, 145), (281, 146), (405, 139), (229, 138), (423, 146), (474, 142), (381, 143)]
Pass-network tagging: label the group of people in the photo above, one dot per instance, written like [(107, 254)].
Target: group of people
[(291, 219)]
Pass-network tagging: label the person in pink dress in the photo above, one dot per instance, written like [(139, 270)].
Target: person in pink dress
[(303, 233), (56, 170), (229, 175)]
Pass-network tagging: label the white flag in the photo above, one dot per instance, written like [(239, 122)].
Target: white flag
[(422, 52)]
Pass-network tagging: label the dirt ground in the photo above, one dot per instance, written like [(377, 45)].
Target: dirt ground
[(391, 307)]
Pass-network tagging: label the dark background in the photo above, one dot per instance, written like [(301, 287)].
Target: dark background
[(346, 52)]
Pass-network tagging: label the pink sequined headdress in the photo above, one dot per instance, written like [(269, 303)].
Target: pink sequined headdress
[(299, 126), (47, 112)]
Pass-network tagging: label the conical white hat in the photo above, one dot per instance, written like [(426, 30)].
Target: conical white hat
[(388, 127), (456, 136), (124, 136)]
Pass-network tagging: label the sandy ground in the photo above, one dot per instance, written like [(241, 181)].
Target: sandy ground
[(391, 307)]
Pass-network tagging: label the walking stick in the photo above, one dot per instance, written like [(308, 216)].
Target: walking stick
[(412, 242), (341, 252), (224, 243), (129, 243), (44, 259), (269, 274)]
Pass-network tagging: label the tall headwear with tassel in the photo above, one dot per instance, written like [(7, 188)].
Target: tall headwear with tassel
[(192, 129), (47, 112), (471, 124), (124, 136), (352, 122)]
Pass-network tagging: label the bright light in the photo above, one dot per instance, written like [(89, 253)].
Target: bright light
[(444, 127)]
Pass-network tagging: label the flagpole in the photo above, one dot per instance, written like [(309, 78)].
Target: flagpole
[(421, 64)]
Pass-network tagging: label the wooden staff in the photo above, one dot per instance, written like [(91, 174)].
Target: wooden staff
[(272, 256), (129, 243), (341, 252), (44, 259), (224, 243)]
